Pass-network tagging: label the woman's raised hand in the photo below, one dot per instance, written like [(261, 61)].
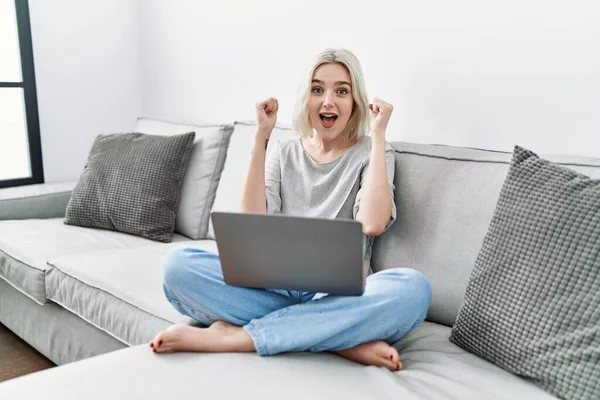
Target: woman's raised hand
[(266, 116), (380, 116)]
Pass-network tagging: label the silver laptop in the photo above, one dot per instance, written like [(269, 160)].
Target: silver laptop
[(292, 253)]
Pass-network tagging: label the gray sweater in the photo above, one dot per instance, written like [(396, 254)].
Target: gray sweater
[(297, 185)]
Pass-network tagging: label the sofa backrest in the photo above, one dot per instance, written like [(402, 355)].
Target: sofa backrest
[(229, 191), (445, 197)]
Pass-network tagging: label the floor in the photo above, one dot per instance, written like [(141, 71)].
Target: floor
[(17, 357)]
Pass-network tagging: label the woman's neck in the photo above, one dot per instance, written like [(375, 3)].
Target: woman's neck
[(324, 147), (322, 151)]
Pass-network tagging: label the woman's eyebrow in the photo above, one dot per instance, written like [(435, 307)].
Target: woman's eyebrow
[(338, 83)]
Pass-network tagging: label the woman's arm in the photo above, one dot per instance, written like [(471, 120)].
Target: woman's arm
[(376, 204), (254, 198)]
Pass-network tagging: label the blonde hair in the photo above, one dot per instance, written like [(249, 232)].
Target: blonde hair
[(358, 124)]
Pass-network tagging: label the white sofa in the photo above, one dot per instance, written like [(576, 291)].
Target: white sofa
[(75, 293)]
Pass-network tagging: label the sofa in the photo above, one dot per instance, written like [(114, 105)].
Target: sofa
[(74, 293)]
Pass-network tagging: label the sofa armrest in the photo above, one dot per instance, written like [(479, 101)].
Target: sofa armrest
[(46, 200)]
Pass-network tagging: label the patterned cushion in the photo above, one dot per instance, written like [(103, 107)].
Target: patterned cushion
[(203, 171), (131, 183), (532, 304)]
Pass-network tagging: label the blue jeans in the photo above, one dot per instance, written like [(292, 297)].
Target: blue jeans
[(395, 301)]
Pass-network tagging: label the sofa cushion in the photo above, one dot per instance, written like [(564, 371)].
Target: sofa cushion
[(132, 183), (532, 303), (434, 369), (25, 245), (119, 291), (58, 334), (445, 197), (229, 191), (203, 171)]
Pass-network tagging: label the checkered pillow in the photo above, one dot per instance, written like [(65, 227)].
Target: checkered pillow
[(532, 305), (131, 183)]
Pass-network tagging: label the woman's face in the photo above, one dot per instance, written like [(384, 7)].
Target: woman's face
[(330, 101)]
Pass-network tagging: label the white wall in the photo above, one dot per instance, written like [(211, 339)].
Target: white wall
[(472, 73), (87, 74)]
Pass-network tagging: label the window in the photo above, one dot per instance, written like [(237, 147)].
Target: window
[(20, 149)]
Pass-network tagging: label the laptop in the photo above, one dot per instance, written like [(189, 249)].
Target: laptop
[(273, 251)]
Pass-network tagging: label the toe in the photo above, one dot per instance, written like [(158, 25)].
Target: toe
[(388, 352), (389, 364), (157, 341), (394, 355), (164, 349), (391, 356)]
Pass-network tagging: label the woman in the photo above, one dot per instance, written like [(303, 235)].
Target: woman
[(332, 171)]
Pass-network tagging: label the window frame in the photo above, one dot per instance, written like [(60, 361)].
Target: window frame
[(30, 95)]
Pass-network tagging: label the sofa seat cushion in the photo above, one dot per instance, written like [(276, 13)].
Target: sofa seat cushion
[(120, 290), (26, 245), (434, 369)]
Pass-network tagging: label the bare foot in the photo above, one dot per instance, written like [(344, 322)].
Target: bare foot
[(221, 337), (377, 353)]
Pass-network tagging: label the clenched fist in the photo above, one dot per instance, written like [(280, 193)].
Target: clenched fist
[(380, 116), (266, 116)]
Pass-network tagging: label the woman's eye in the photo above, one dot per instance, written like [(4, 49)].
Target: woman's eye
[(317, 90), (343, 92)]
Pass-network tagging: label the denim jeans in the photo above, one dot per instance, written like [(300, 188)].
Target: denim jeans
[(395, 301)]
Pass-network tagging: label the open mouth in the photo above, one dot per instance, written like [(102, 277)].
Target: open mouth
[(328, 120), (328, 117)]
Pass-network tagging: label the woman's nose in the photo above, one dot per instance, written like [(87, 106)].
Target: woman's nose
[(328, 100)]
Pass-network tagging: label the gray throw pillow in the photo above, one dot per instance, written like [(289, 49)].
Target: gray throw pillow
[(532, 304), (131, 183)]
